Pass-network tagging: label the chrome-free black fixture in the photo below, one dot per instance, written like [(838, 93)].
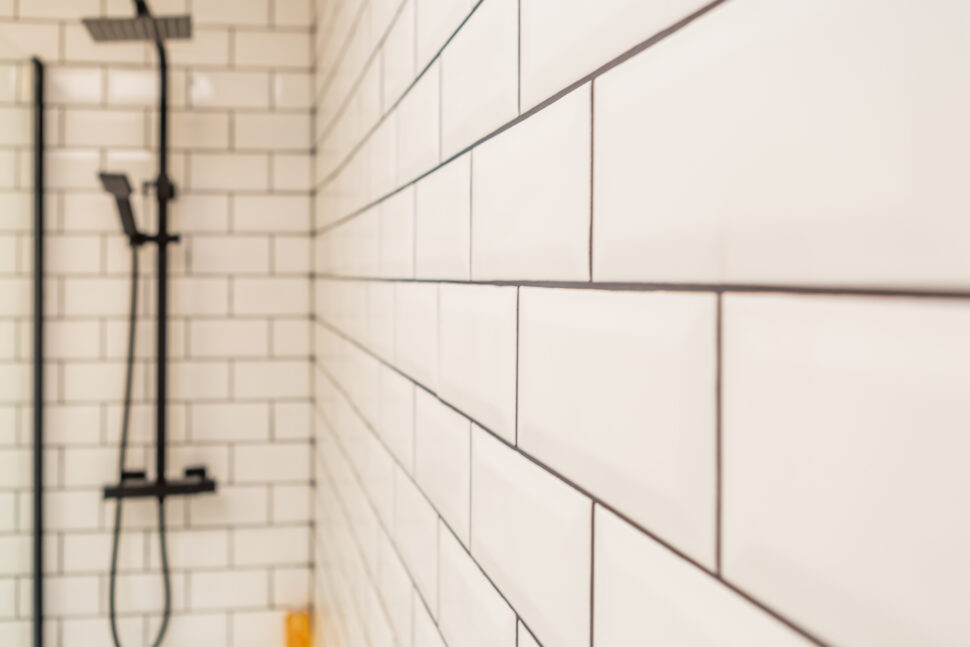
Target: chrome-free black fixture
[(136, 484)]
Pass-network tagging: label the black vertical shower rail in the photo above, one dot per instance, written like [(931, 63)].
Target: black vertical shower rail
[(164, 192), (38, 544)]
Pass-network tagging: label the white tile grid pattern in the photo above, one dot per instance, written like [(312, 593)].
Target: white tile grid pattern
[(670, 520), (241, 134)]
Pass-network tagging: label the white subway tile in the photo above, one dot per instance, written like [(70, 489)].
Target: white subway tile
[(198, 380), (442, 460), (201, 213), (291, 337), (221, 422), (295, 13), (397, 235), (271, 296), (646, 594), (228, 172), (532, 534), (426, 633), (480, 93), (81, 632), (418, 127), (640, 369), (396, 423), (394, 588), (437, 20), (830, 201), (271, 379), (60, 9), (208, 629), (41, 40), (76, 595), (230, 255), (291, 254), (292, 503), (271, 546), (398, 56), (292, 90), (416, 535), (207, 46), (228, 589), (74, 339), (272, 131), (271, 213), (272, 49), (229, 89), (199, 296), (550, 30), (228, 338), (191, 549), (416, 331), (292, 587), (291, 172), (233, 12), (477, 353), (196, 131), (230, 505), (278, 462), (854, 389), (140, 87), (74, 85), (258, 628), (538, 168), (471, 613), (443, 223), (73, 169)]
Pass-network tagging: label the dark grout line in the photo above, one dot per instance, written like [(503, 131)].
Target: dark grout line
[(719, 288), (592, 183), (582, 490), (513, 122), (592, 570), (719, 403)]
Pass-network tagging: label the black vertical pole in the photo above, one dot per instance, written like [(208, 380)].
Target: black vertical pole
[(38, 612), (163, 190)]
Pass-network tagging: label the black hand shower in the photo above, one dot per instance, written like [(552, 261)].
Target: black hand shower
[(144, 26)]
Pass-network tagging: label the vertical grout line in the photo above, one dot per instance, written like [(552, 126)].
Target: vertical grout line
[(592, 570), (518, 310), (718, 379), (518, 59), (471, 211), (592, 122)]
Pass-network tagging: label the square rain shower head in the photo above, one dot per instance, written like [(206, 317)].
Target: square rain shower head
[(115, 30)]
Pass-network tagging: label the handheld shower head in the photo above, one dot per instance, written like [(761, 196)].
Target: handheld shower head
[(118, 186)]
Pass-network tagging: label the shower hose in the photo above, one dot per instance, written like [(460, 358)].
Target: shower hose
[(123, 447)]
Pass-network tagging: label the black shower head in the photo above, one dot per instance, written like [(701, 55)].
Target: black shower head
[(117, 185), (104, 30)]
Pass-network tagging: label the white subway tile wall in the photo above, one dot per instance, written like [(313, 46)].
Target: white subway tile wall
[(547, 403), (240, 345)]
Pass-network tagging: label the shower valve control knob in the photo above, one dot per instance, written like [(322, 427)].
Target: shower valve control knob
[(196, 471), (133, 475)]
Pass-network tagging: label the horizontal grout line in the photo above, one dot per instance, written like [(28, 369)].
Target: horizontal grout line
[(633, 51), (597, 500), (718, 288)]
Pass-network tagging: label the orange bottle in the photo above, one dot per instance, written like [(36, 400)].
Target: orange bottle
[(298, 629)]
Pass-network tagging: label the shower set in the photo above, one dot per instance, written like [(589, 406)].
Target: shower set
[(136, 484)]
